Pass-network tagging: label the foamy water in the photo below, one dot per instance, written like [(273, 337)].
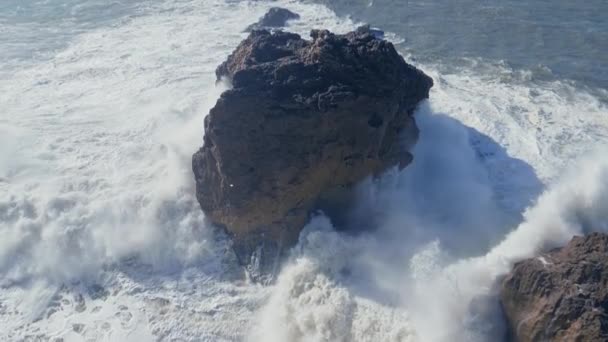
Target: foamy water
[(101, 237)]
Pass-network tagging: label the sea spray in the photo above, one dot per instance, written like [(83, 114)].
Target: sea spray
[(575, 205), (446, 294)]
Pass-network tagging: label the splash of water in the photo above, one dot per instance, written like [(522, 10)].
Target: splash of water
[(424, 258)]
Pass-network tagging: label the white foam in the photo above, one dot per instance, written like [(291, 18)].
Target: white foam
[(96, 169), (106, 130), (311, 303), (573, 206)]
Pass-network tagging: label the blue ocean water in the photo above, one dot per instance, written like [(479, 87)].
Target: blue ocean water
[(559, 39)]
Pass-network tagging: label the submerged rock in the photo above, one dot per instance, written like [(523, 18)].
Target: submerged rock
[(561, 295), (376, 32), (275, 17), (304, 120)]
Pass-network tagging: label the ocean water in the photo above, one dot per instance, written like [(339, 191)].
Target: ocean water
[(101, 107), (554, 40)]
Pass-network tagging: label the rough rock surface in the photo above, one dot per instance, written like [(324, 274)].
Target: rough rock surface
[(304, 120), (561, 295), (275, 17)]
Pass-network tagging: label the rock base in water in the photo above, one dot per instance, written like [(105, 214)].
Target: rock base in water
[(304, 121), (275, 17)]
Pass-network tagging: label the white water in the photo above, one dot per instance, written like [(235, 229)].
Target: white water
[(96, 189)]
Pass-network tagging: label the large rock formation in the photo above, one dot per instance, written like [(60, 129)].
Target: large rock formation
[(303, 121), (275, 17), (561, 295)]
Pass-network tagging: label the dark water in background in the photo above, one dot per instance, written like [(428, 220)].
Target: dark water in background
[(554, 39)]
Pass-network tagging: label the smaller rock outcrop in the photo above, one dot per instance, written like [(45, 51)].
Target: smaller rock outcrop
[(374, 31), (561, 295), (274, 18)]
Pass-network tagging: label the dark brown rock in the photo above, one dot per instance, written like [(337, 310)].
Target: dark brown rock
[(303, 122), (275, 17), (561, 295)]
